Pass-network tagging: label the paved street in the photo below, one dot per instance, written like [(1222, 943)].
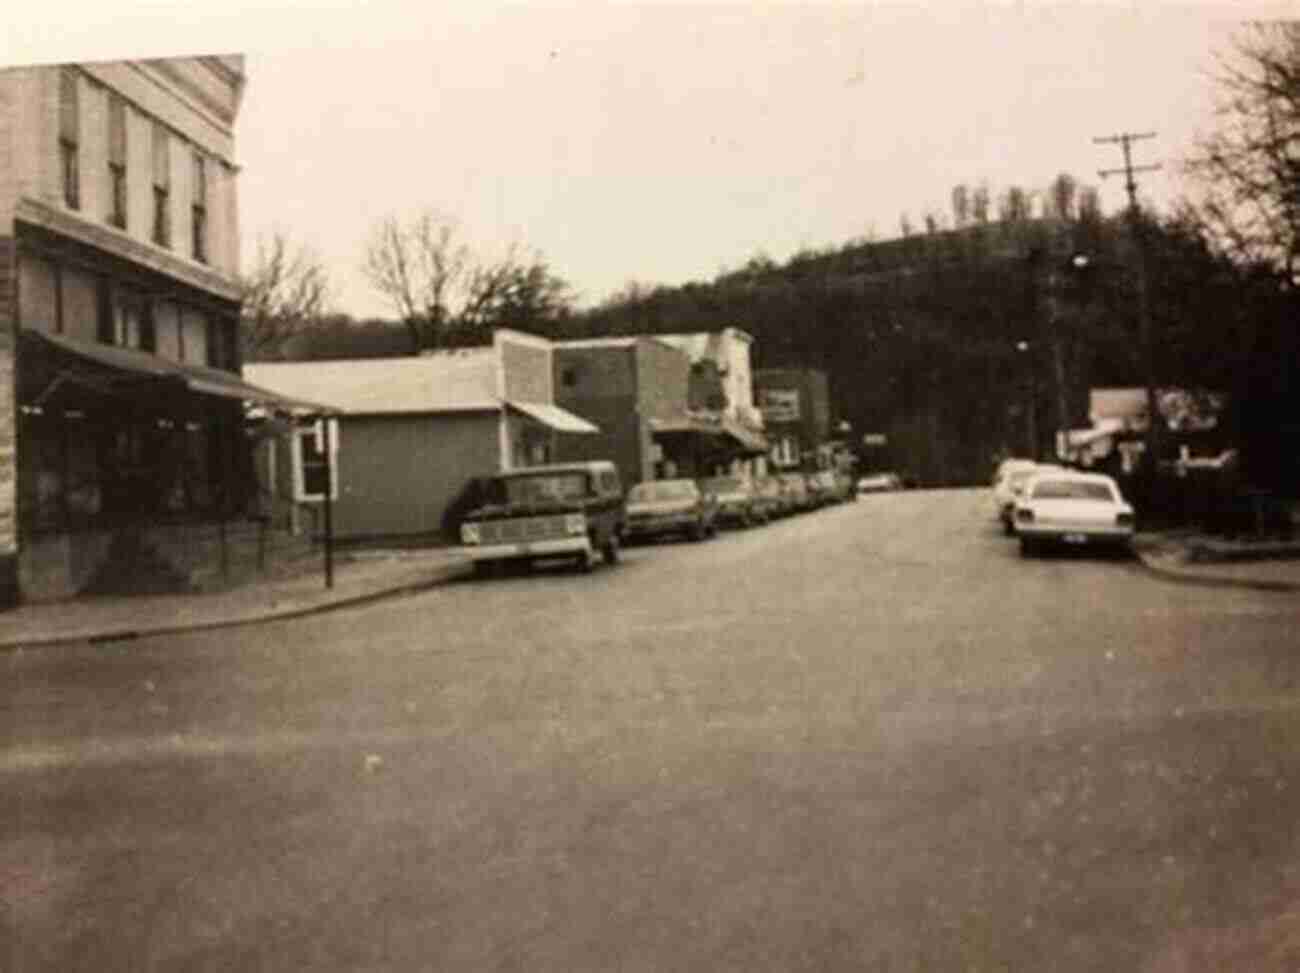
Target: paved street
[(871, 737)]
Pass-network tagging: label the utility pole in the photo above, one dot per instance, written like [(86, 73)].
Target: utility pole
[(1125, 140)]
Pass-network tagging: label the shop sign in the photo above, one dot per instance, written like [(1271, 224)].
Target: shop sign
[(779, 405)]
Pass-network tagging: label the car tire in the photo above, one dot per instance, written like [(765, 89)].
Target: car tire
[(1008, 528), (696, 532), (1028, 547)]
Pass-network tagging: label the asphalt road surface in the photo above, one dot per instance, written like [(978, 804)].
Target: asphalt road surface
[(868, 738)]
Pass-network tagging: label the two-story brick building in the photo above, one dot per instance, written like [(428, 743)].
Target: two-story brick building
[(627, 386), (122, 401), (667, 405)]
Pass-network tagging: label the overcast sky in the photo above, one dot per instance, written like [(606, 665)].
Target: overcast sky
[(663, 142)]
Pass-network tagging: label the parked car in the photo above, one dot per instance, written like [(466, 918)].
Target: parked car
[(737, 504), (822, 485), (661, 507), (1072, 509), (770, 499), (846, 487), (569, 510), (795, 487), (1008, 482), (879, 483)]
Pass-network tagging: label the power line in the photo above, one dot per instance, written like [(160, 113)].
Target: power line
[(1125, 140)]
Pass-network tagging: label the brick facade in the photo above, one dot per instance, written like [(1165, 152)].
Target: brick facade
[(622, 387)]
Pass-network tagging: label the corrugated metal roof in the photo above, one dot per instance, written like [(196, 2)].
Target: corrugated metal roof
[(452, 381), (618, 341), (614, 341)]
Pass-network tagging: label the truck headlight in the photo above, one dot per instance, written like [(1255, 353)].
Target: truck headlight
[(575, 524), (469, 534)]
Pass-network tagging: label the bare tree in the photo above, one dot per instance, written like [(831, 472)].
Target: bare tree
[(979, 203), (446, 295), (1089, 205), (1061, 197), (1014, 206), (421, 269), (961, 206), (1249, 169), (284, 294)]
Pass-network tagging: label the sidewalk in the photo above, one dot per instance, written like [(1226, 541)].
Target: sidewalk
[(1188, 557), (358, 577)]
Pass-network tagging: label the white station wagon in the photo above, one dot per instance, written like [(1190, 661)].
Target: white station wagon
[(1072, 509)]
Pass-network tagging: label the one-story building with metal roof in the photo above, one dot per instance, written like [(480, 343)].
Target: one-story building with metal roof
[(411, 433)]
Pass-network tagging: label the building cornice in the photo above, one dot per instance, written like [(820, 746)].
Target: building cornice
[(194, 92), (118, 244)]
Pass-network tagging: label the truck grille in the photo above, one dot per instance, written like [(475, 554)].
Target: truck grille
[(519, 529)]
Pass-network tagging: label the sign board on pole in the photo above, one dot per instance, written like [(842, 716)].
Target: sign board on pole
[(875, 439), (779, 405)]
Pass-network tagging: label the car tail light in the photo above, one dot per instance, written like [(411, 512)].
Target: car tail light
[(1024, 515), (1124, 520), (469, 534), (575, 524)]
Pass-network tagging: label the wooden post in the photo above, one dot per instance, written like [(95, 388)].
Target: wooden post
[(329, 503)]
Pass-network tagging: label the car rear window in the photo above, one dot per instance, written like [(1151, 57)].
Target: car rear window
[(1071, 490)]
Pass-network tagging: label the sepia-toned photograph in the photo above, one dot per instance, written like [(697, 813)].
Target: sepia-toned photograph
[(630, 487)]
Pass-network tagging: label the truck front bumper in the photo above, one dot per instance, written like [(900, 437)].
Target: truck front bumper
[(556, 547)]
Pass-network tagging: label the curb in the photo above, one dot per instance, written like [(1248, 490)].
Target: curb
[(1209, 581), (440, 576)]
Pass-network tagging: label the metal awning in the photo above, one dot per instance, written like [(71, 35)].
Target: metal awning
[(197, 378), (751, 441), (561, 420)]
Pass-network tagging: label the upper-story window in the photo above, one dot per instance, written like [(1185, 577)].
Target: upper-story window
[(69, 139), (199, 210), (117, 161), (162, 217), (126, 319)]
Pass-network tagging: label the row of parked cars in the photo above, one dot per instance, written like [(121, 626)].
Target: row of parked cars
[(579, 511), (1048, 506), (696, 509)]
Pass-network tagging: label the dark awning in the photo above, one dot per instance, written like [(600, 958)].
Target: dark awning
[(749, 441), (197, 378)]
